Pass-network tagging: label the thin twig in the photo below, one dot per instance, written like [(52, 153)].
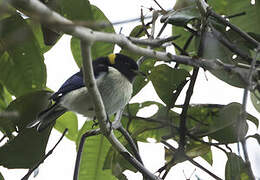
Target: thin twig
[(47, 155), (159, 6), (236, 15)]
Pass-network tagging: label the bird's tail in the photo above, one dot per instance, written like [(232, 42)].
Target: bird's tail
[(46, 117)]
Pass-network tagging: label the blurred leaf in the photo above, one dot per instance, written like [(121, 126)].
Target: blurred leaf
[(50, 37), (193, 150), (208, 157), (1, 177), (5, 98), (197, 149), (28, 147), (99, 48), (155, 126), (168, 82), (182, 17), (93, 156), (22, 69), (68, 120), (76, 10), (255, 98), (183, 4), (117, 163), (36, 29), (252, 13), (216, 121), (215, 50), (235, 168), (224, 126)]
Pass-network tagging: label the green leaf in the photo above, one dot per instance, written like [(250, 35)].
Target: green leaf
[(28, 147), (50, 37), (255, 100), (36, 29), (215, 50), (5, 98), (182, 17), (248, 22), (208, 157), (93, 156), (22, 69), (98, 49), (235, 168), (1, 177), (224, 126), (168, 82), (76, 10), (197, 149), (117, 163), (155, 126), (68, 120)]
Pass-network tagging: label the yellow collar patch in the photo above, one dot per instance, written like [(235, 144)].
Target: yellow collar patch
[(111, 58)]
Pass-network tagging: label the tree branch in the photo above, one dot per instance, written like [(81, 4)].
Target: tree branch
[(40, 12)]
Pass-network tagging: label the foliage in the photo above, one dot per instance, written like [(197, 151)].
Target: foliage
[(23, 80)]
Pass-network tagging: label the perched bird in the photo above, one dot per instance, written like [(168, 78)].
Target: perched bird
[(114, 76)]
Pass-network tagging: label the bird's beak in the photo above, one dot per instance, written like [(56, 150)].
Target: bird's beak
[(137, 72)]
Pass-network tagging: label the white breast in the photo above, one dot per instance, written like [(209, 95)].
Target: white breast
[(115, 91)]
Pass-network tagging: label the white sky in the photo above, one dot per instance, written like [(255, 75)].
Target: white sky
[(60, 164)]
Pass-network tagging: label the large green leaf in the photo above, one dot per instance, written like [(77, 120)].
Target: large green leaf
[(168, 82), (99, 48), (22, 69), (28, 147), (215, 50), (224, 127), (235, 168), (79, 10), (36, 29), (68, 120), (217, 121), (248, 22), (93, 156)]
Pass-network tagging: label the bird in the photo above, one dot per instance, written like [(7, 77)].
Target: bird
[(114, 75)]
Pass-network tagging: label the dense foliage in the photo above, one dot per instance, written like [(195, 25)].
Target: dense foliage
[(23, 80)]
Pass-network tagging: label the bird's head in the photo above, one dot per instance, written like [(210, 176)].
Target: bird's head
[(124, 64)]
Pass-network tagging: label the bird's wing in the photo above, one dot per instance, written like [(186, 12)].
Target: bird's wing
[(76, 81)]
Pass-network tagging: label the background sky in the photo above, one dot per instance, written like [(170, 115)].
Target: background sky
[(208, 89)]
